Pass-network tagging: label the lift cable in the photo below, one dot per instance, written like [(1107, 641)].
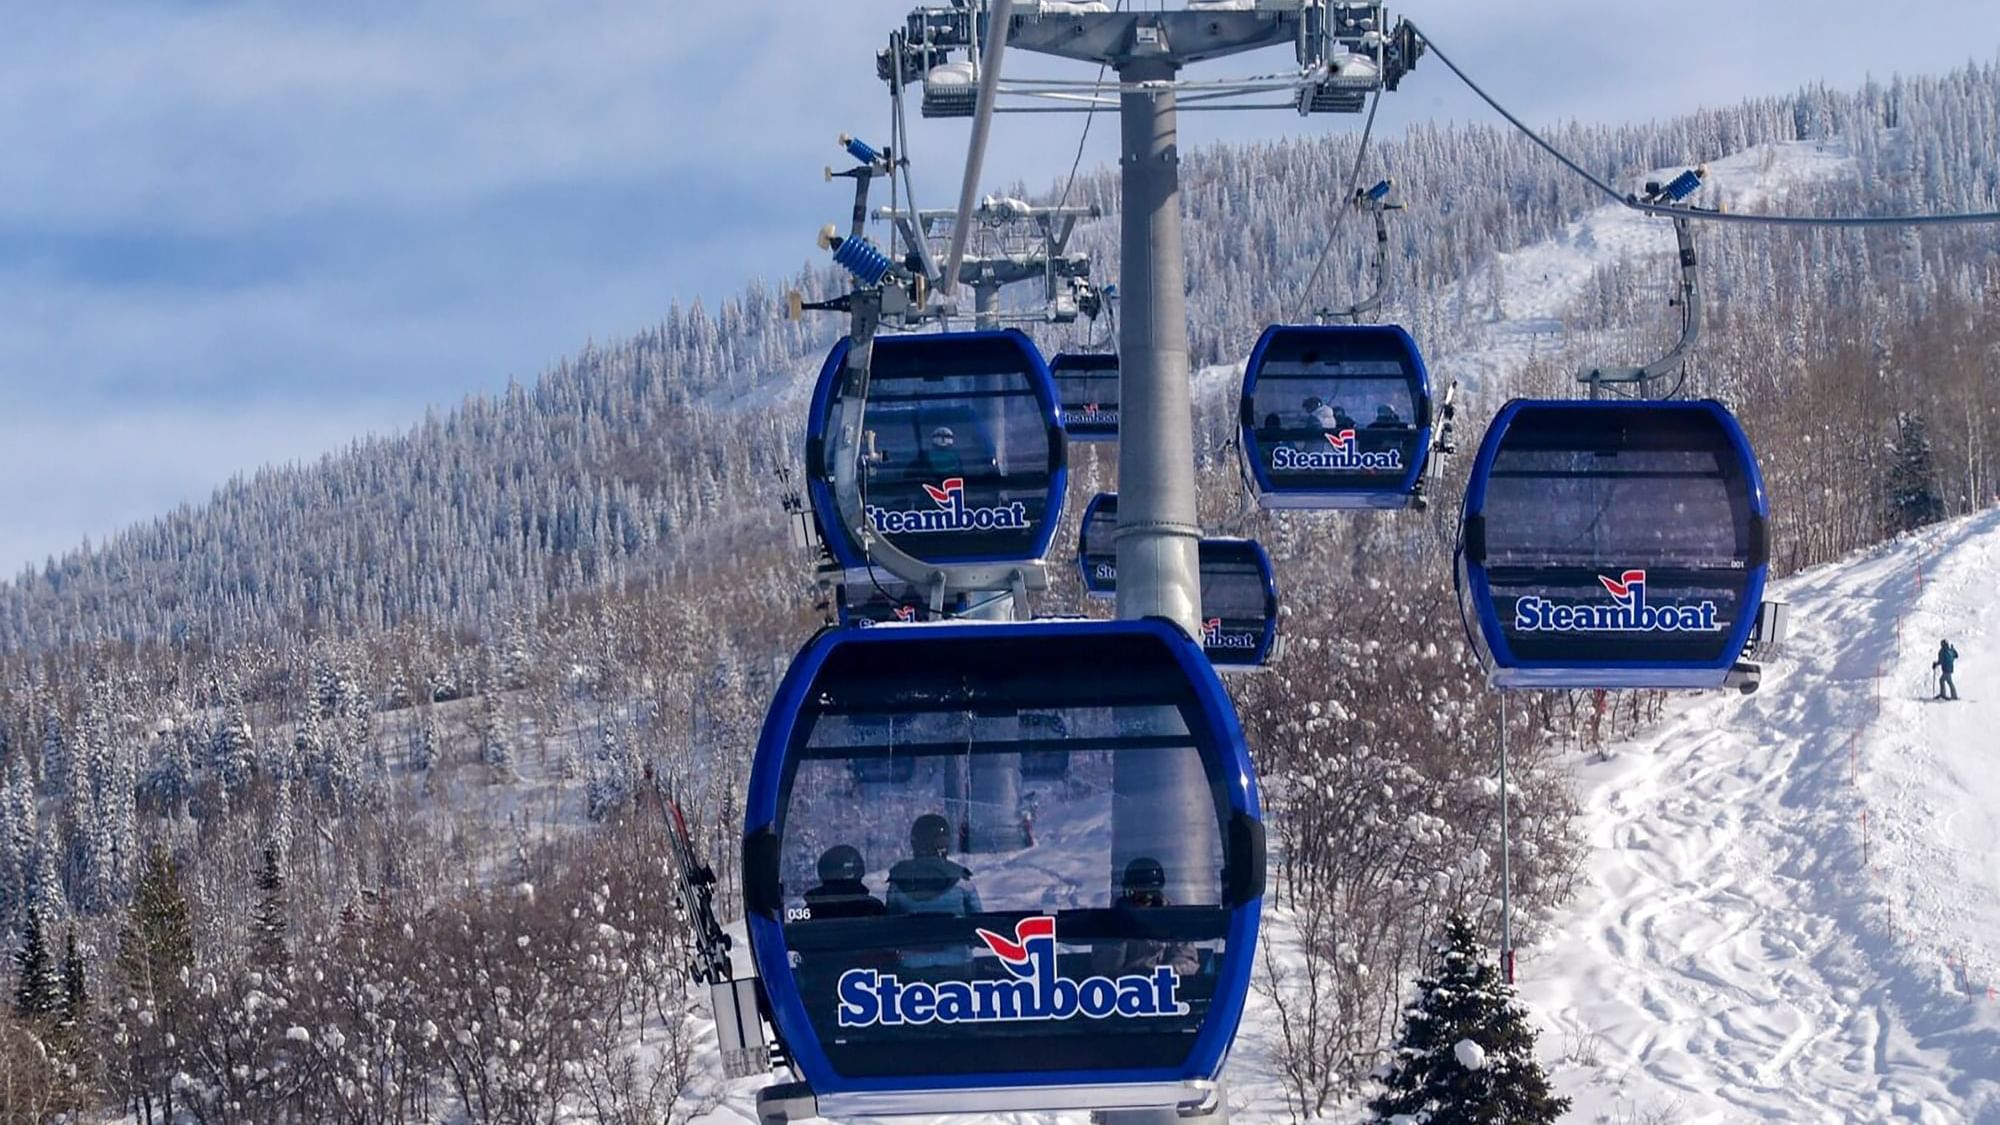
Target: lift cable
[(1701, 214)]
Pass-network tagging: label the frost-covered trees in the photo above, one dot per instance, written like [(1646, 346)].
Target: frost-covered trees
[(1467, 1054)]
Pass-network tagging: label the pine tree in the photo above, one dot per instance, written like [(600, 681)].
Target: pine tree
[(270, 922), (38, 988), (234, 751), (1467, 1055), (496, 734), (424, 746), (47, 889), (22, 832), (1913, 492), (75, 1007), (155, 957), (156, 945)]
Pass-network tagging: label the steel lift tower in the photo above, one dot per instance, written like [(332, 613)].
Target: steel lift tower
[(1344, 51)]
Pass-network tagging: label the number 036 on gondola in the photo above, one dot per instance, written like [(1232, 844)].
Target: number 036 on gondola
[(1617, 545), (952, 927)]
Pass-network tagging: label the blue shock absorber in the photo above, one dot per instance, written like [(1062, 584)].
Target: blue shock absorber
[(863, 259), (859, 149), (1684, 185)]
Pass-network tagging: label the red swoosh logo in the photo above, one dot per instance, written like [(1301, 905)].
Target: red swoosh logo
[(1016, 949), (1623, 588), (943, 495)]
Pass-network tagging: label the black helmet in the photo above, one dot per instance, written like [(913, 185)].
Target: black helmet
[(930, 835), (1144, 874), (841, 863)]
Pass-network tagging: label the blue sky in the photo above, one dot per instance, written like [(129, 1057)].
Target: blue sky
[(241, 233)]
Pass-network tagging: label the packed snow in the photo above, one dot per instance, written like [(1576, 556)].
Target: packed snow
[(1791, 907)]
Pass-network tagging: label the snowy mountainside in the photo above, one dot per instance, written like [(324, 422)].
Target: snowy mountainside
[(1791, 906)]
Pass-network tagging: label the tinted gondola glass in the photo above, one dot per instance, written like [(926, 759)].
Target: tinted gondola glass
[(1097, 546), (1614, 544), (969, 464), (1239, 604), (1087, 385), (1336, 416), (1042, 965)]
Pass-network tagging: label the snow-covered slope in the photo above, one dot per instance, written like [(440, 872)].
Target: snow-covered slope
[(1791, 908)]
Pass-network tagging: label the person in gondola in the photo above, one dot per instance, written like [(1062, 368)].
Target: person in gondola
[(1385, 418), (930, 883), (841, 893), (1947, 659), (941, 457), (1322, 415), (1142, 887)]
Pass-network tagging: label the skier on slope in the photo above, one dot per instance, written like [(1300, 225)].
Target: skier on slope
[(1947, 659)]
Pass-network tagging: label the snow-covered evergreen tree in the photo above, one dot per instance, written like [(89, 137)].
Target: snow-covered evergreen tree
[(425, 739), (1913, 489), (20, 816), (74, 1011), (270, 923), (156, 944), (233, 751), (38, 984), (496, 732), (48, 886), (1467, 1054), (614, 772)]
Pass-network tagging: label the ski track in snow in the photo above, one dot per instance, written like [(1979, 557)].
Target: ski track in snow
[(1730, 958)]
